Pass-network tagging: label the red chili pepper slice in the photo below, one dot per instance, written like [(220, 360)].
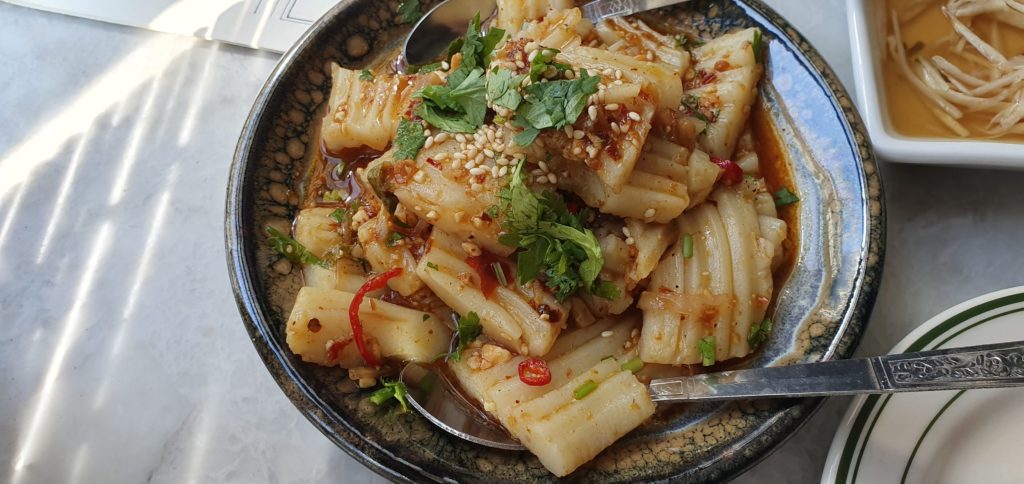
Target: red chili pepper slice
[(534, 372), (374, 283), (733, 174)]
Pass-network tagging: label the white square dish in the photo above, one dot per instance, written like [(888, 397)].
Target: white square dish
[(867, 43)]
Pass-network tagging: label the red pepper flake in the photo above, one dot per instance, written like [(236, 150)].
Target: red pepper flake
[(534, 372), (706, 77), (433, 163), (731, 174), (374, 283)]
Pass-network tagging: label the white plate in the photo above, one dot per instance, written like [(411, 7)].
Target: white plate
[(867, 41), (939, 437)]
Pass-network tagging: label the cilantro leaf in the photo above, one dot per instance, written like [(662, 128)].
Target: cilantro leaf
[(468, 329), (503, 88), (391, 389), (409, 138), (459, 106), (607, 290), (409, 11), (291, 249), (477, 47), (554, 104), (365, 75)]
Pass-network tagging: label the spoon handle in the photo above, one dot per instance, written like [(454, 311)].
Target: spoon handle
[(602, 9), (986, 366)]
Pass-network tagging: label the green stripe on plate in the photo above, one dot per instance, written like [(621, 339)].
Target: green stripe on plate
[(846, 460), (906, 470)]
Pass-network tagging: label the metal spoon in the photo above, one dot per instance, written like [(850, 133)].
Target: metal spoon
[(448, 20), (986, 366)]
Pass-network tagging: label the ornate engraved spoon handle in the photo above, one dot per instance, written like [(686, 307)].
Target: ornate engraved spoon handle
[(602, 9), (987, 366)]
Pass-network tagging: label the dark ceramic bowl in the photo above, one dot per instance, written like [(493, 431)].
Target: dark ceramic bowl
[(821, 312)]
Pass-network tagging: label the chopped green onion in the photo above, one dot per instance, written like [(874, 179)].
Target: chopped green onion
[(584, 389), (339, 169), (432, 265), (499, 273), (394, 237), (759, 333), (758, 46), (396, 390), (707, 350), (633, 365), (426, 317), (334, 196), (339, 215), (785, 197), (688, 246), (365, 75)]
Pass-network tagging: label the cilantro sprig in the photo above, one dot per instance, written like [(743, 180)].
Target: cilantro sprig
[(291, 249), (551, 240), (460, 105), (542, 60), (553, 104), (468, 329), (503, 88)]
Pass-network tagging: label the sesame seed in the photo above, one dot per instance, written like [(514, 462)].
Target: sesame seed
[(503, 171), (568, 131), (552, 178), (615, 127), (426, 132), (630, 241), (456, 164), (461, 138), (489, 152), (445, 65), (502, 161), (611, 107), (537, 171), (429, 142), (469, 165), (607, 72), (543, 166), (471, 152), (634, 116), (477, 171), (418, 176), (459, 156), (531, 56), (592, 112), (625, 231), (441, 137), (592, 151), (577, 150), (494, 171), (441, 156), (520, 64), (541, 179), (649, 213), (432, 215), (499, 147), (531, 46), (577, 134), (618, 74), (569, 74), (606, 334), (479, 158), (618, 82)]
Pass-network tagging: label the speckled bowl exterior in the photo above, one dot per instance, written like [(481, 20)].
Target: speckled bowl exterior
[(820, 314)]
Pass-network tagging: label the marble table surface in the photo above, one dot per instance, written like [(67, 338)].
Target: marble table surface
[(122, 355)]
